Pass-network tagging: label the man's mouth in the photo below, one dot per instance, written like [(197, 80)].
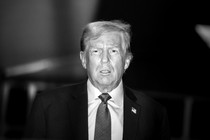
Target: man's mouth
[(105, 72)]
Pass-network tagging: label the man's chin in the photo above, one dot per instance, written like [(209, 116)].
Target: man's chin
[(105, 83), (105, 86)]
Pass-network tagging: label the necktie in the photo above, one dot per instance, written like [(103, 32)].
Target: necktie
[(103, 119)]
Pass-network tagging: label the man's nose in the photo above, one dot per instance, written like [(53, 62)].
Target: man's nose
[(105, 57)]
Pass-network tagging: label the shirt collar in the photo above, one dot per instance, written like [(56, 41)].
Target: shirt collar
[(116, 94)]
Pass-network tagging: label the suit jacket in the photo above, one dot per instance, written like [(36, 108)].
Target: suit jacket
[(62, 113)]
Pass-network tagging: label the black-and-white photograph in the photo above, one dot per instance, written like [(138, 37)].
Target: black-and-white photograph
[(104, 70)]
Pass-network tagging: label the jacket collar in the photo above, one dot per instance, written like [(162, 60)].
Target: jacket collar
[(131, 115), (79, 108)]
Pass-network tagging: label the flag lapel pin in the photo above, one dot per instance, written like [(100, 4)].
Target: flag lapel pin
[(133, 110)]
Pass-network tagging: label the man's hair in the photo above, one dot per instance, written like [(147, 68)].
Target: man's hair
[(94, 30)]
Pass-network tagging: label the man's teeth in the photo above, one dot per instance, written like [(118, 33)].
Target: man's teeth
[(105, 71)]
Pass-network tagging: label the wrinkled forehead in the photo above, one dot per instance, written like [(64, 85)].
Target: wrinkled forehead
[(113, 38), (108, 38)]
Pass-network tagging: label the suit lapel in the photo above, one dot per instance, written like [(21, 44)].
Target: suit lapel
[(79, 109), (131, 115)]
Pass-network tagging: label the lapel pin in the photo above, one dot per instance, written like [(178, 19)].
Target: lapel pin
[(133, 110)]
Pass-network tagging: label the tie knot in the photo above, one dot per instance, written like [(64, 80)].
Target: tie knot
[(104, 97)]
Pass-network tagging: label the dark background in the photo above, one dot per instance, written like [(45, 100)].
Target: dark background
[(168, 53)]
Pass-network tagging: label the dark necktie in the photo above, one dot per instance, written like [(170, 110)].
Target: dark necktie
[(103, 119)]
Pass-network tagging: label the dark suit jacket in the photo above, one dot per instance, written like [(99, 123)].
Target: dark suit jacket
[(62, 113)]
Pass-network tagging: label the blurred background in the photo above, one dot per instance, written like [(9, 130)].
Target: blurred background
[(39, 49)]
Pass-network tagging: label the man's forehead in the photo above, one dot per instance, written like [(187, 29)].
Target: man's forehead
[(108, 37)]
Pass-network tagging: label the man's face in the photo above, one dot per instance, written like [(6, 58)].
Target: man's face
[(105, 61)]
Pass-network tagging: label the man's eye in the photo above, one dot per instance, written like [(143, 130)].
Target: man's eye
[(95, 51), (113, 51)]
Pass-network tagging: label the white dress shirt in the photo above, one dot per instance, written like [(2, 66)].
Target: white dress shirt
[(115, 105)]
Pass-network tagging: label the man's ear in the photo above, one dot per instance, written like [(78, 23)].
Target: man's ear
[(127, 61), (83, 59)]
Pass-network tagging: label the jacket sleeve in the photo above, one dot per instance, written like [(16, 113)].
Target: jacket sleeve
[(36, 123), (164, 124)]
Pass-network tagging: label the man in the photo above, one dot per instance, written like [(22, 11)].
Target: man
[(102, 107)]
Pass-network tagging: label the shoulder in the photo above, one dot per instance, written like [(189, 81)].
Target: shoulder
[(62, 93), (145, 101)]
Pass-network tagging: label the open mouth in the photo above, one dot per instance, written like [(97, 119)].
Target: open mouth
[(105, 72)]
